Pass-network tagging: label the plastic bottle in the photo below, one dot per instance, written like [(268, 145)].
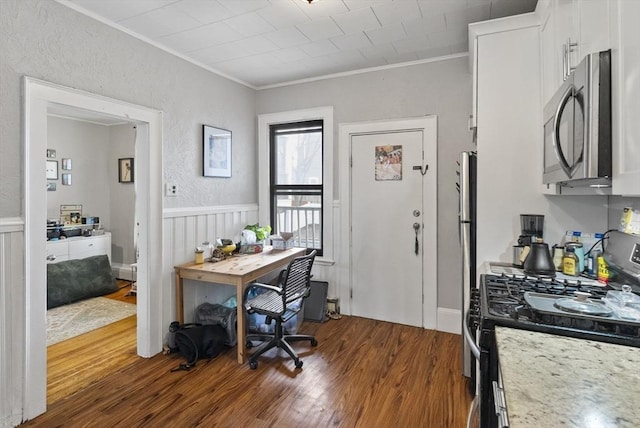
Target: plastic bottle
[(579, 252), (570, 263), (592, 263), (603, 270)]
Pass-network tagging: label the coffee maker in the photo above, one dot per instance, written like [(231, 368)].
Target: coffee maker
[(531, 227)]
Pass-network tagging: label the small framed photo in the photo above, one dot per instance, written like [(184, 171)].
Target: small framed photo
[(51, 153), (52, 170), (216, 143), (70, 214), (66, 164), (125, 170), (66, 179)]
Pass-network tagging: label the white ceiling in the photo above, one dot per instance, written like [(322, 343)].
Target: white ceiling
[(263, 43)]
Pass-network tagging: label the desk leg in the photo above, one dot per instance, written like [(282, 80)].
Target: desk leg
[(242, 339), (179, 297)]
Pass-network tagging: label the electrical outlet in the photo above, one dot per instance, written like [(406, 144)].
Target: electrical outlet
[(171, 189)]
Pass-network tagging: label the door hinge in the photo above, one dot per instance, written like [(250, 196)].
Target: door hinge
[(351, 293), (350, 161)]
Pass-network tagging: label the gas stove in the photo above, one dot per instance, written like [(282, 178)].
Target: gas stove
[(507, 297), (528, 303)]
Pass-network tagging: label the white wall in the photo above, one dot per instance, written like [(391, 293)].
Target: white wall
[(442, 88), (87, 145), (122, 212), (94, 151)]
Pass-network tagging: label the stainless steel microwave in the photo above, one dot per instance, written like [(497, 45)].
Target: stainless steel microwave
[(577, 126)]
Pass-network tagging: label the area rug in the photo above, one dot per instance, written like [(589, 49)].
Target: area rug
[(65, 322)]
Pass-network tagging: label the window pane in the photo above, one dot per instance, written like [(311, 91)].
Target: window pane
[(301, 215), (299, 158)]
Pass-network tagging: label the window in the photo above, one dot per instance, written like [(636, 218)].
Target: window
[(296, 181)]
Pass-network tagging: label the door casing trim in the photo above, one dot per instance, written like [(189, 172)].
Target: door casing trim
[(427, 124), (37, 95)]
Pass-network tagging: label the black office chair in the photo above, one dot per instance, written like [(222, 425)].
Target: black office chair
[(275, 302)]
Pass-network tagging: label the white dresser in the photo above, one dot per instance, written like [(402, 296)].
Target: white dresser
[(78, 247)]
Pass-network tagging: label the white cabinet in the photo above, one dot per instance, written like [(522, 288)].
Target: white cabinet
[(625, 76), (57, 251), (570, 29), (78, 248), (594, 26), (509, 130)]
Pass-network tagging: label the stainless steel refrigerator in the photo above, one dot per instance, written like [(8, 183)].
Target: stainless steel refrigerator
[(467, 216)]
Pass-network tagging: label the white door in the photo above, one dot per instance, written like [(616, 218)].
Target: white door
[(388, 191)]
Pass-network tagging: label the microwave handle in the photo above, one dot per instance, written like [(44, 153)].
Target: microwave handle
[(566, 96)]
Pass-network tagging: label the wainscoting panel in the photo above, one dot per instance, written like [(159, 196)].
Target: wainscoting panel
[(11, 318), (184, 230)]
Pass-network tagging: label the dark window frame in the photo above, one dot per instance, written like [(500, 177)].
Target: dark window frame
[(275, 190)]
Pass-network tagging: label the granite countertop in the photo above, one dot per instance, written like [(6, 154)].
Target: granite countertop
[(556, 381)]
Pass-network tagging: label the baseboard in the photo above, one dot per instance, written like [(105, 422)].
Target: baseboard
[(449, 320), (123, 271)]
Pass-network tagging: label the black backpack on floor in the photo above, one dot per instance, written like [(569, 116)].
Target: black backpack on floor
[(195, 341)]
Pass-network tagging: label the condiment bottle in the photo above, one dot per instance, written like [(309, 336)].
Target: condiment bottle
[(603, 270), (199, 256), (570, 262), (579, 252), (592, 263), (558, 254)]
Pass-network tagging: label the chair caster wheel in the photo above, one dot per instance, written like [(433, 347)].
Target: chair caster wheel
[(299, 364), (253, 365), (314, 342)]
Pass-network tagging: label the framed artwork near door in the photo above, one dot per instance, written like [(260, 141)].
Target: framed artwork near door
[(216, 152), (125, 170)]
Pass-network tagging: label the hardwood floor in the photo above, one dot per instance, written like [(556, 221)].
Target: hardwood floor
[(80, 361), (363, 373)]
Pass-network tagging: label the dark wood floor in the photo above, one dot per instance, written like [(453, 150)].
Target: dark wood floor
[(363, 373)]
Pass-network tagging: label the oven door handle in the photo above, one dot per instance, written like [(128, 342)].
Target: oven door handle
[(469, 337)]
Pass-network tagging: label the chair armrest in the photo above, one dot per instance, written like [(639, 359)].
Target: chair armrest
[(260, 285)]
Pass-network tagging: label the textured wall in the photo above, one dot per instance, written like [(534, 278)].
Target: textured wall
[(442, 88), (44, 39)]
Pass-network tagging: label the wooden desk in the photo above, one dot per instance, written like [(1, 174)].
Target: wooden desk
[(239, 270)]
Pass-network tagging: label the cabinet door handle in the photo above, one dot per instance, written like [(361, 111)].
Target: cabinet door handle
[(51, 257), (565, 57)]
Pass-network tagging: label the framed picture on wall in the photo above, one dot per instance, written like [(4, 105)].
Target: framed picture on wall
[(125, 170), (216, 153), (52, 170)]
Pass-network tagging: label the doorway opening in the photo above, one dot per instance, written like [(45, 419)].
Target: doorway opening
[(39, 97)]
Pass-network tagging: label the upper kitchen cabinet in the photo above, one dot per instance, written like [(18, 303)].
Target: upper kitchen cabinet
[(499, 59), (569, 30), (625, 81)]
